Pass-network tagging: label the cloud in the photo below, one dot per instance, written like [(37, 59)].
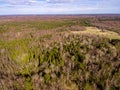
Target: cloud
[(23, 2), (73, 1), (47, 9), (60, 1), (20, 2), (59, 6)]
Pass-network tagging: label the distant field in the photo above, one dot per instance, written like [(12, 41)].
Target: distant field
[(60, 52)]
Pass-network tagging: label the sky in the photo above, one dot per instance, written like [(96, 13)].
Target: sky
[(13, 7)]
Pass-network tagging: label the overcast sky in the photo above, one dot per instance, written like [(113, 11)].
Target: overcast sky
[(11, 7)]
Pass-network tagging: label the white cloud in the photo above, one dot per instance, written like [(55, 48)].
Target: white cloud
[(59, 6), (47, 10), (60, 1), (45, 1), (20, 2)]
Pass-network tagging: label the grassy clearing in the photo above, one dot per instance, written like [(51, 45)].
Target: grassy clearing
[(96, 31)]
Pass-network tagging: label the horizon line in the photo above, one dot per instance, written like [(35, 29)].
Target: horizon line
[(59, 14)]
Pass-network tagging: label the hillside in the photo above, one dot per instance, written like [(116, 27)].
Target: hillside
[(60, 52)]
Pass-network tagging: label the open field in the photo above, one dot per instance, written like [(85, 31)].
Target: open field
[(60, 52), (95, 31)]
